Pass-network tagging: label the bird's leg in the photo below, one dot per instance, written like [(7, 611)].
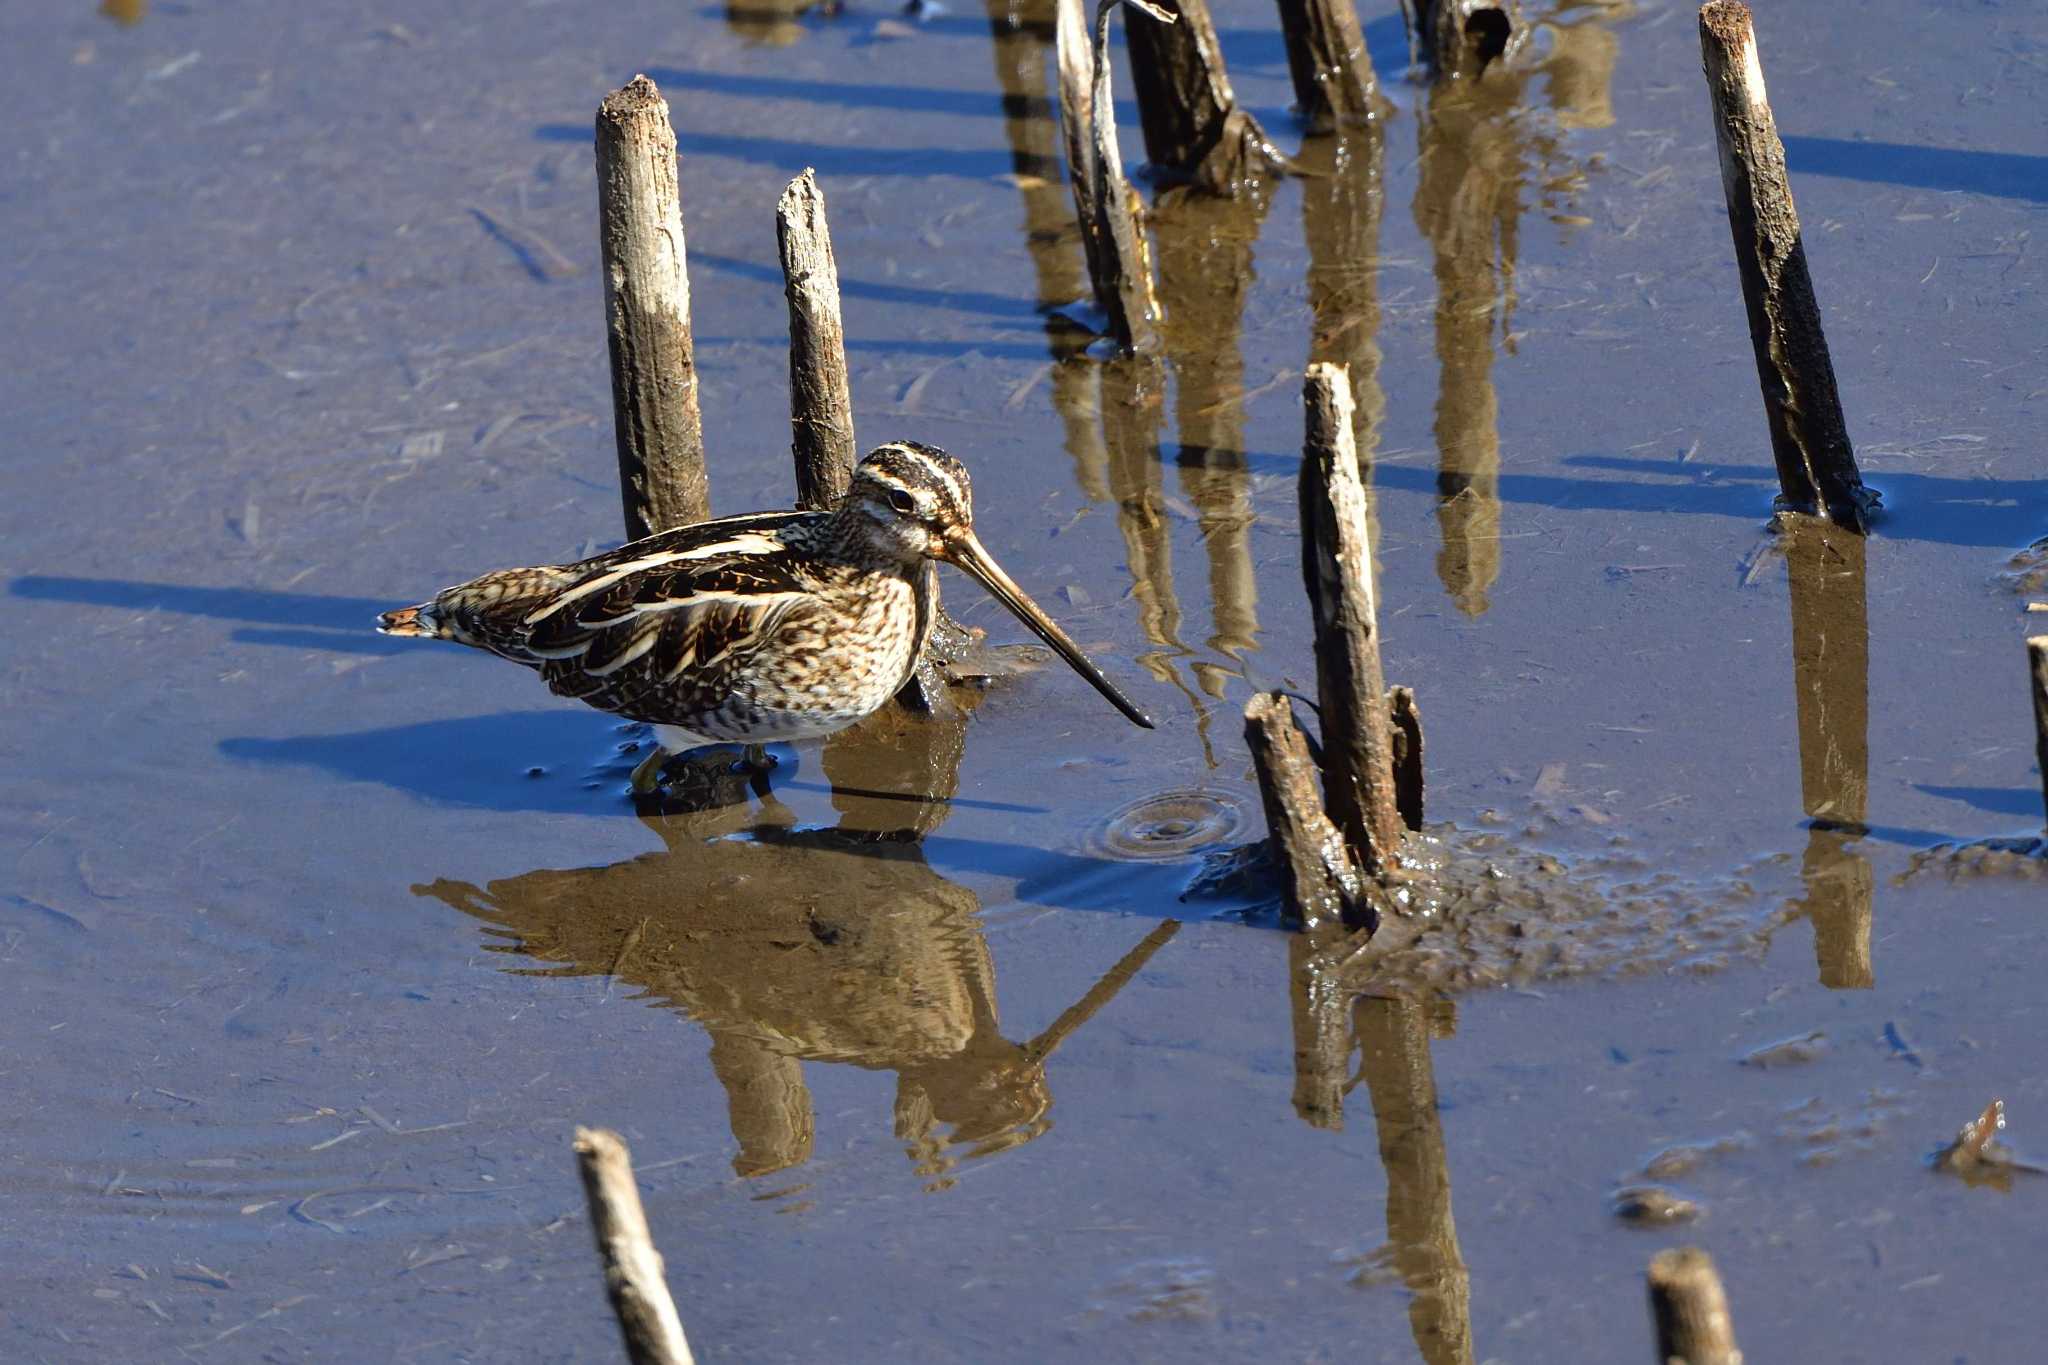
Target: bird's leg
[(758, 763), (647, 774)]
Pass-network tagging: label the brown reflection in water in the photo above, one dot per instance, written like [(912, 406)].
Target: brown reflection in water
[(771, 23), (797, 945), (1342, 197), (1204, 246), (124, 12), (1831, 672), (1022, 41), (1392, 1036), (1481, 155)]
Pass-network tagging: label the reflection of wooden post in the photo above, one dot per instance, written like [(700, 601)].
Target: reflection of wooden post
[(1205, 272), (1322, 1034), (1133, 410), (1831, 672), (1342, 196), (1194, 127), (1468, 204), (1351, 690), (820, 404), (1393, 1041), (1690, 1310), (1831, 669), (2037, 660), (647, 309), (1809, 440), (1839, 889), (1327, 58), (633, 1272)]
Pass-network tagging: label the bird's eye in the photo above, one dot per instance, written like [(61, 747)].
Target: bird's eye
[(903, 502)]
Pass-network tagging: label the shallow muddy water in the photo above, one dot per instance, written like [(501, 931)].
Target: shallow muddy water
[(318, 948)]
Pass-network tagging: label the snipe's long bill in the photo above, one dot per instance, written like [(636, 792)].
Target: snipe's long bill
[(751, 629)]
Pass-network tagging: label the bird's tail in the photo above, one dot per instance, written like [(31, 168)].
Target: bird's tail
[(418, 621)]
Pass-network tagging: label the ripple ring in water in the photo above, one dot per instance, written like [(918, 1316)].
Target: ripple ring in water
[(1166, 825)]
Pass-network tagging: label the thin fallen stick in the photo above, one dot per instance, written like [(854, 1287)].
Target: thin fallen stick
[(2037, 658), (1119, 267), (820, 404), (1809, 440), (1690, 1310), (1351, 690), (633, 1272), (1327, 59), (647, 312)]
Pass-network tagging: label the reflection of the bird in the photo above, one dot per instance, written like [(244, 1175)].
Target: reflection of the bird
[(1391, 1035), (1831, 672), (1481, 154), (792, 945)]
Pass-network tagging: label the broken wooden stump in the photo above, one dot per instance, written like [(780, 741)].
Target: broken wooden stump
[(1809, 440), (1690, 1310), (1327, 59), (1119, 266), (1318, 880), (820, 403), (1351, 690), (633, 1272), (1194, 128), (1458, 39), (647, 314), (2037, 659)]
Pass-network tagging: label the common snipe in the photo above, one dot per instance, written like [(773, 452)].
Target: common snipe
[(750, 629)]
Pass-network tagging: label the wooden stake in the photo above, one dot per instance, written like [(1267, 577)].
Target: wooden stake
[(1194, 127), (1690, 1310), (633, 1273), (820, 404), (1406, 719), (1457, 39), (647, 311), (1358, 748), (1119, 268), (2037, 658), (1809, 440), (1326, 56), (1317, 877)]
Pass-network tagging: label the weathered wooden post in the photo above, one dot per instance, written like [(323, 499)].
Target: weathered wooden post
[(1119, 267), (1327, 59), (1457, 39), (1690, 1310), (820, 403), (2037, 660), (1351, 689), (647, 312), (1809, 440), (1194, 128), (633, 1272)]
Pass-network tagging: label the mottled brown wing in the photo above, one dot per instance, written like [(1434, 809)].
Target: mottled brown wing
[(665, 640)]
